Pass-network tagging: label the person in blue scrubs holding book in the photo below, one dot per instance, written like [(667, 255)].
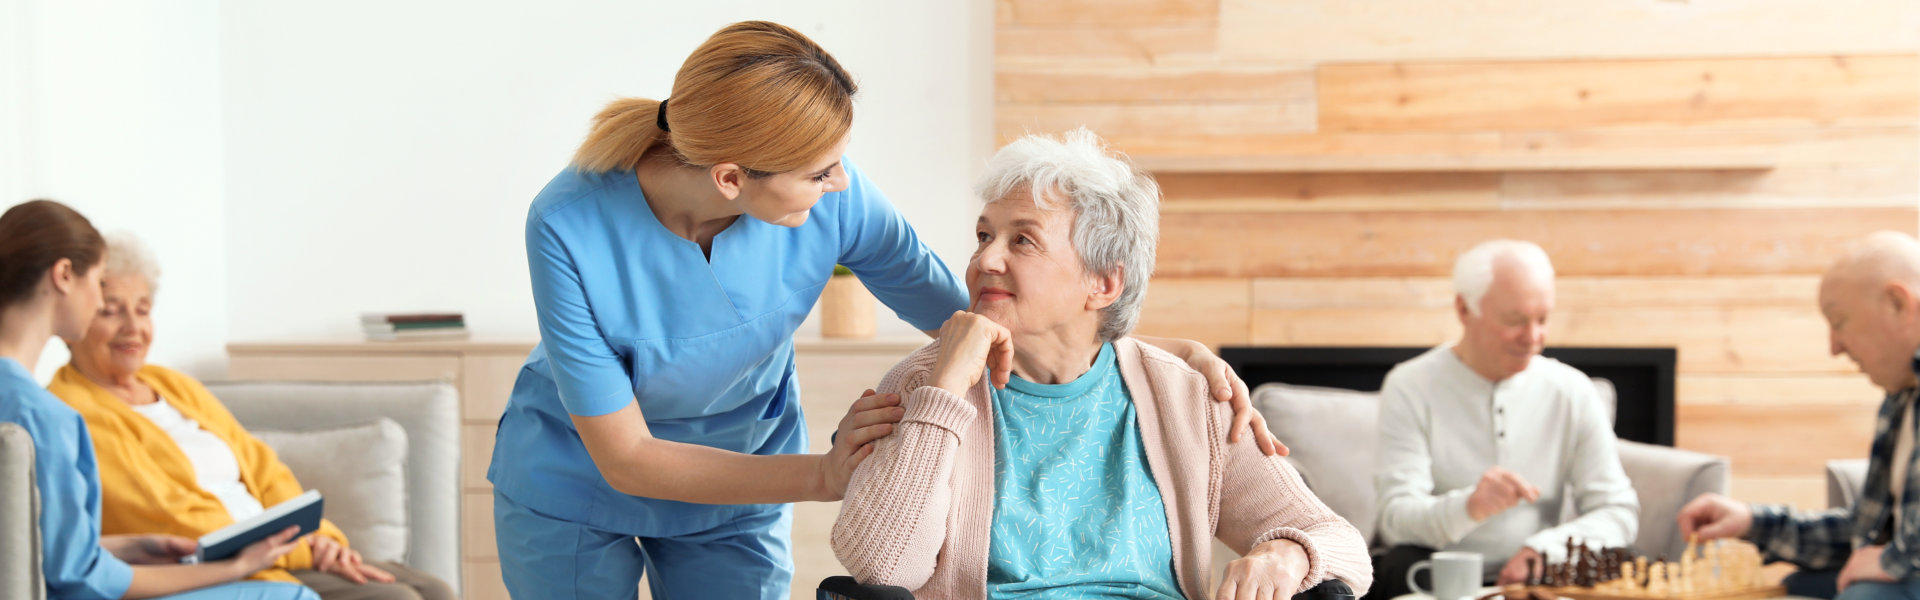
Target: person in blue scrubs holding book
[(671, 265), (50, 259)]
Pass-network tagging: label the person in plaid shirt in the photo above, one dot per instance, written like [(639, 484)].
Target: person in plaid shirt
[(1871, 298)]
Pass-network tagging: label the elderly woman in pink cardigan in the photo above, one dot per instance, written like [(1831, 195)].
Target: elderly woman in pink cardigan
[(1043, 452)]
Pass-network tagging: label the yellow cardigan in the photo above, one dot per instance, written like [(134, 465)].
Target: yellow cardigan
[(147, 484)]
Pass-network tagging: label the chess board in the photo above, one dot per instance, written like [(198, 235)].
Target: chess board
[(1745, 593), (1718, 570)]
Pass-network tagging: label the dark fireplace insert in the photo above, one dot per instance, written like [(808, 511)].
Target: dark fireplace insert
[(1642, 377)]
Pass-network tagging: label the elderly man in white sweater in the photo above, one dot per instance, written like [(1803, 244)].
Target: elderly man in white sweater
[(1481, 440)]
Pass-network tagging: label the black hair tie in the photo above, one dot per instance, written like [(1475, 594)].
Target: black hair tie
[(660, 117)]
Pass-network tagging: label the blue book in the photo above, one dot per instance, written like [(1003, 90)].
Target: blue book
[(302, 510)]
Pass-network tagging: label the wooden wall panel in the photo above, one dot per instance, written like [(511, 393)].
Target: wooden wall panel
[(1785, 146), (1285, 192), (1709, 339), (1691, 167), (1804, 492), (1130, 45), (1792, 388), (1777, 439), (1775, 326), (1026, 13), (1213, 311), (1615, 242), (1056, 83), (1398, 97), (1395, 30), (1156, 119), (1888, 186)]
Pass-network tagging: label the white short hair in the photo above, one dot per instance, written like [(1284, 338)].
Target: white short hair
[(127, 256), (1116, 208), (1473, 272)]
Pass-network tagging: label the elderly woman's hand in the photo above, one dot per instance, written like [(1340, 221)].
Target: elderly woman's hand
[(1272, 571), (331, 557), (971, 345)]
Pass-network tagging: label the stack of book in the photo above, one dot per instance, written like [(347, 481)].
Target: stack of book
[(393, 327)]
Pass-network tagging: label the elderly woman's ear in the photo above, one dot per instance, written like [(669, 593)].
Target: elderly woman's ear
[(1104, 290)]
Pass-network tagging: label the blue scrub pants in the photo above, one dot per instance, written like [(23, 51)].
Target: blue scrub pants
[(545, 557), (249, 590)]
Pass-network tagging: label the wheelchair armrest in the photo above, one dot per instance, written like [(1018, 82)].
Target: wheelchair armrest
[(842, 587), (845, 588)]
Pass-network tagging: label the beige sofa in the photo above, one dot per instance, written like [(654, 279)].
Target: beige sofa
[(1333, 432), (415, 519)]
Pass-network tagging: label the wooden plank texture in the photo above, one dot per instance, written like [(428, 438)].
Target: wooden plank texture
[(1776, 439), (1341, 30), (1019, 13), (1286, 192), (1523, 95), (1211, 311), (1751, 388), (1792, 187), (1128, 45), (1720, 324), (1630, 148), (1155, 119), (1804, 492), (1056, 83), (1709, 339), (1613, 242)]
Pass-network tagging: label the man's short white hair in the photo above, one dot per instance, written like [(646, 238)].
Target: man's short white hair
[(1116, 208), (1473, 272), (127, 256)]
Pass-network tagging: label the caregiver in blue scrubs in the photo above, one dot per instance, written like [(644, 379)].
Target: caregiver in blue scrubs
[(50, 259), (671, 265)]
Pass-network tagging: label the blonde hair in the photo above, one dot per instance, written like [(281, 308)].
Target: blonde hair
[(757, 94)]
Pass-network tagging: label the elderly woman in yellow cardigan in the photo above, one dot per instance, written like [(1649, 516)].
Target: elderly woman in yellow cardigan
[(174, 461)]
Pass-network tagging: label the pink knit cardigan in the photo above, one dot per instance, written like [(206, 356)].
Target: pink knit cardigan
[(918, 512)]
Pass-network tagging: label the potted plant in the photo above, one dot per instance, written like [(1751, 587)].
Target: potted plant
[(846, 307)]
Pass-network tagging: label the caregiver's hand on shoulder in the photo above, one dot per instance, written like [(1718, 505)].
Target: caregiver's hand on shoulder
[(970, 346), (870, 418)]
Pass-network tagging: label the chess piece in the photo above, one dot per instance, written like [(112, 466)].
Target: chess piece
[(1640, 570), (1657, 580)]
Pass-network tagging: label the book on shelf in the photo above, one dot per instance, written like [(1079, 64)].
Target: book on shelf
[(374, 318), (412, 326)]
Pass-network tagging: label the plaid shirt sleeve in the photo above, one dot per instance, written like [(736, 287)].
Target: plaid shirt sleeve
[(1820, 540)]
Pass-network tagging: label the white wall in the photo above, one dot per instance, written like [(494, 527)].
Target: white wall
[(381, 156), (295, 164), (114, 109)]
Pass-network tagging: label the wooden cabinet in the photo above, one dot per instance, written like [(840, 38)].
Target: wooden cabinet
[(832, 374)]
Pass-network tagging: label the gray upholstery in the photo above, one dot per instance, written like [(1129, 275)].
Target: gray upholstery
[(1845, 478), (430, 413), (1333, 432), (20, 575), (1666, 480)]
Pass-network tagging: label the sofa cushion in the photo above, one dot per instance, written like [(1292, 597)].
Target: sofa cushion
[(361, 471), (1333, 434), (1845, 478), (20, 574)]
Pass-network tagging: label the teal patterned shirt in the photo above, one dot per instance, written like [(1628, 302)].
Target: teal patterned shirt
[(1075, 511)]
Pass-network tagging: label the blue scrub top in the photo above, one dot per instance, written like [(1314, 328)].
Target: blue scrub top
[(69, 480), (629, 310)]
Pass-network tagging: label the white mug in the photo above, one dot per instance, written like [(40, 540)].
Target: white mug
[(1455, 575)]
